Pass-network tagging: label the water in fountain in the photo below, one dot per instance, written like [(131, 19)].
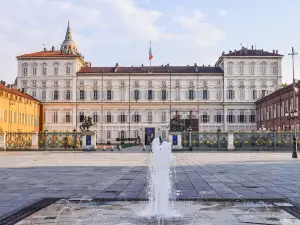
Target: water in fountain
[(160, 182)]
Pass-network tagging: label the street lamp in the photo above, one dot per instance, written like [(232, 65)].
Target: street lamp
[(293, 115), (190, 138), (218, 137), (46, 139)]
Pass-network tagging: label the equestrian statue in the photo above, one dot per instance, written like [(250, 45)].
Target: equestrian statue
[(84, 127)]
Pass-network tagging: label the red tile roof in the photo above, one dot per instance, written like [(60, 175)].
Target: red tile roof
[(43, 54), (154, 69), (16, 92)]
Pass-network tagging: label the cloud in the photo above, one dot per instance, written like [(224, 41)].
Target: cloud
[(223, 12), (197, 31), (105, 31)]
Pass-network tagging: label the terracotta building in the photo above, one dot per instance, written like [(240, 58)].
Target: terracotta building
[(274, 110)]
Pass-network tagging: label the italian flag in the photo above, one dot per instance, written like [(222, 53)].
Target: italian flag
[(150, 52)]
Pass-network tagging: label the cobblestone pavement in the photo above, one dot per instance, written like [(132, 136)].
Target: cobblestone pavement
[(27, 177)]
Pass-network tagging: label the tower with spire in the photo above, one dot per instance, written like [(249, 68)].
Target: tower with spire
[(68, 46)]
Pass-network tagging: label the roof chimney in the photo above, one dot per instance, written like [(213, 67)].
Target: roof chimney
[(252, 47), (276, 51), (23, 90), (142, 65), (52, 49), (116, 67), (223, 53), (273, 51)]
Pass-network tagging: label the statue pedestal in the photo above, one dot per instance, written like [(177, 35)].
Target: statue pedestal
[(89, 140), (175, 138), (230, 146)]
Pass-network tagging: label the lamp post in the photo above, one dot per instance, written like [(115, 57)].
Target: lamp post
[(46, 139), (218, 137), (293, 115), (274, 138), (190, 138)]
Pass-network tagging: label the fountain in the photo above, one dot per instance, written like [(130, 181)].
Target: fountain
[(160, 182)]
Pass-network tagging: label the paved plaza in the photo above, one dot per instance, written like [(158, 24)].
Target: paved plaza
[(28, 176)]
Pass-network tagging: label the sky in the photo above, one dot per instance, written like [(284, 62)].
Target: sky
[(183, 32)]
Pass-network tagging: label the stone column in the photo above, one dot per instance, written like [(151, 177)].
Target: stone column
[(35, 140), (2, 141), (94, 141), (230, 144)]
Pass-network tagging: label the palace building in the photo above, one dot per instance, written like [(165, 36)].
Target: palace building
[(19, 112), (131, 101)]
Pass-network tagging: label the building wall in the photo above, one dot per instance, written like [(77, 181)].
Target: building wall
[(18, 114)]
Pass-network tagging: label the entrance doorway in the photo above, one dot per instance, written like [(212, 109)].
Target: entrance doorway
[(149, 134)]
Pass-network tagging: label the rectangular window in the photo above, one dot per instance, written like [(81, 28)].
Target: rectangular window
[(95, 94), (95, 117), (205, 94), (43, 94), (34, 70), (123, 118), (150, 94), (34, 93), (34, 83), (205, 118), (230, 118), (55, 117), (68, 117), (191, 94), (109, 94), (68, 95), (164, 117), (253, 94), (150, 117), (252, 118), (242, 93), (219, 118), (219, 94), (55, 95), (231, 94), (81, 95), (68, 70), (55, 70), (55, 83), (242, 118), (108, 134), (136, 94), (164, 94), (25, 70), (177, 94), (44, 70), (108, 118), (81, 117)]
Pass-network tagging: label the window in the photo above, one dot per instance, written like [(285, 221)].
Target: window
[(68, 117), (274, 68), (55, 83), (68, 70), (230, 117), (241, 68), (136, 117), (136, 134), (108, 117), (81, 95), (253, 94), (230, 68), (56, 70), (44, 70), (34, 83), (109, 94), (163, 94), (164, 134), (263, 68), (95, 117), (122, 134), (108, 134), (81, 82), (43, 94), (81, 117), (252, 82), (205, 117), (191, 94), (231, 94), (95, 94), (122, 117), (242, 117), (274, 82), (164, 117), (218, 82), (252, 117), (177, 94), (68, 95), (24, 82), (150, 117), (205, 94), (55, 95), (242, 93), (230, 82), (150, 83), (218, 117), (150, 94), (219, 94), (252, 68), (34, 70), (55, 117), (34, 93), (44, 83), (263, 93), (136, 94), (25, 70)]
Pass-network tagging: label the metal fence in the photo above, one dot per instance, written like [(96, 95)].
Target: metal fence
[(18, 140)]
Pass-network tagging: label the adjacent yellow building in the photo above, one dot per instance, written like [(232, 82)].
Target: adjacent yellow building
[(19, 112)]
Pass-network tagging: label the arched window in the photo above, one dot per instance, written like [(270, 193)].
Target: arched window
[(34, 69), (108, 117), (205, 117), (122, 134), (150, 117), (44, 69), (252, 68), (136, 134), (108, 134), (24, 69), (274, 68), (230, 68), (241, 67)]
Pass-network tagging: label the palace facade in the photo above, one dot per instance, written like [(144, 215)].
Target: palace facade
[(136, 101)]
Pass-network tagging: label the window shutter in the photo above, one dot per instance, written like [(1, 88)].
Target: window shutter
[(153, 94), (112, 118), (140, 118), (187, 95), (233, 94), (104, 93), (207, 94), (233, 118), (167, 94), (160, 95), (227, 118), (105, 118), (119, 118), (112, 95), (215, 118), (227, 93), (208, 118), (201, 95)]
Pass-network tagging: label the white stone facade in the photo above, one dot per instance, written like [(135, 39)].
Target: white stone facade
[(220, 99)]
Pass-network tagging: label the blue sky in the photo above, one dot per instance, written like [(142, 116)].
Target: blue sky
[(182, 31)]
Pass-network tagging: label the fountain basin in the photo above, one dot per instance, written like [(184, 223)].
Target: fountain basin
[(190, 212)]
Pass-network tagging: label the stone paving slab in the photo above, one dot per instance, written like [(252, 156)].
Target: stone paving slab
[(28, 176)]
